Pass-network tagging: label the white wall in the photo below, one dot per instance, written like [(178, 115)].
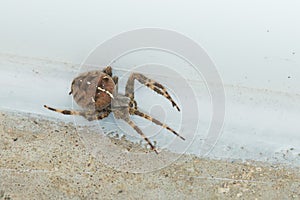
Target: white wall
[(239, 36), (254, 44)]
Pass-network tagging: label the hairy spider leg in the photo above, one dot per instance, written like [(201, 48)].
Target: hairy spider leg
[(89, 115), (153, 85), (108, 70), (116, 80), (139, 131), (143, 115)]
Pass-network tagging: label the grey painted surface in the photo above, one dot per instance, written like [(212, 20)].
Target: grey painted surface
[(259, 124)]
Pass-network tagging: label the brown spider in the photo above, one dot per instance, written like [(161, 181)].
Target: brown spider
[(97, 92)]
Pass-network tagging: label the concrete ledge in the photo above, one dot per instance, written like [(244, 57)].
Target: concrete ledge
[(42, 159)]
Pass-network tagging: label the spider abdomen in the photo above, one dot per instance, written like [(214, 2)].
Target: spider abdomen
[(86, 93)]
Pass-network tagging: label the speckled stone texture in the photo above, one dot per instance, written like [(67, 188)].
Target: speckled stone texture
[(44, 159)]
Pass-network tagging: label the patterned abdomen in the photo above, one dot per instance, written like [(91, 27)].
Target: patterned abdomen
[(86, 93)]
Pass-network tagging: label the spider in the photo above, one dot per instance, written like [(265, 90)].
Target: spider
[(97, 93)]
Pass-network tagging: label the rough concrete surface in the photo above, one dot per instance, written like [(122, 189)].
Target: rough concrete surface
[(44, 159)]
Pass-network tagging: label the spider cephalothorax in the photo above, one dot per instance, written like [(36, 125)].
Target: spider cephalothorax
[(97, 93)]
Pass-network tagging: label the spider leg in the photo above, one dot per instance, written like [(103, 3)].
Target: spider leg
[(139, 131), (98, 116), (116, 80), (108, 70), (148, 117), (153, 85), (89, 115)]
